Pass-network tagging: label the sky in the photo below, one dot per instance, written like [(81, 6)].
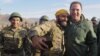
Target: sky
[(37, 8)]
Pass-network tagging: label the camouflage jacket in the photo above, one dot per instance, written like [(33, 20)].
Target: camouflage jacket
[(10, 39), (52, 31)]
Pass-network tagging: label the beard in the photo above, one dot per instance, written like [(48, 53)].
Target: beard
[(63, 24)]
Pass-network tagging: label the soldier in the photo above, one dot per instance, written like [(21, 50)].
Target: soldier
[(42, 20), (80, 37), (26, 25), (94, 22), (49, 36), (35, 24), (13, 37)]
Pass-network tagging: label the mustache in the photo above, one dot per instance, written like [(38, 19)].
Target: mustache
[(62, 20)]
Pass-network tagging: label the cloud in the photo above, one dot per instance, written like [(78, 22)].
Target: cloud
[(7, 1)]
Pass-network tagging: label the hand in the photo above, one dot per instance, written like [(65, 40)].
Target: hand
[(39, 42)]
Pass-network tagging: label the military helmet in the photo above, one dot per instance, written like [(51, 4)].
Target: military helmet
[(44, 18), (15, 14), (61, 11), (93, 19)]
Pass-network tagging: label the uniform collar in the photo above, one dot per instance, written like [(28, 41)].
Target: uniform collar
[(12, 29)]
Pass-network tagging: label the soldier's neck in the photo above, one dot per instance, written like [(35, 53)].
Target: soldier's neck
[(15, 28)]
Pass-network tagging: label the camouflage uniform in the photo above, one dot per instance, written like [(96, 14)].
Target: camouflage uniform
[(54, 35), (12, 41), (43, 19), (53, 31), (80, 39)]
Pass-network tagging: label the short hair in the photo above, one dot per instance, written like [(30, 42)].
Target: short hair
[(76, 2)]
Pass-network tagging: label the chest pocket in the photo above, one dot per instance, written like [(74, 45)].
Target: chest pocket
[(12, 40)]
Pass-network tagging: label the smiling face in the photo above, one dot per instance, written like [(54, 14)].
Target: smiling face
[(62, 19), (15, 22), (76, 11)]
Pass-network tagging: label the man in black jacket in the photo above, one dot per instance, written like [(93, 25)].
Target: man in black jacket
[(80, 37)]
